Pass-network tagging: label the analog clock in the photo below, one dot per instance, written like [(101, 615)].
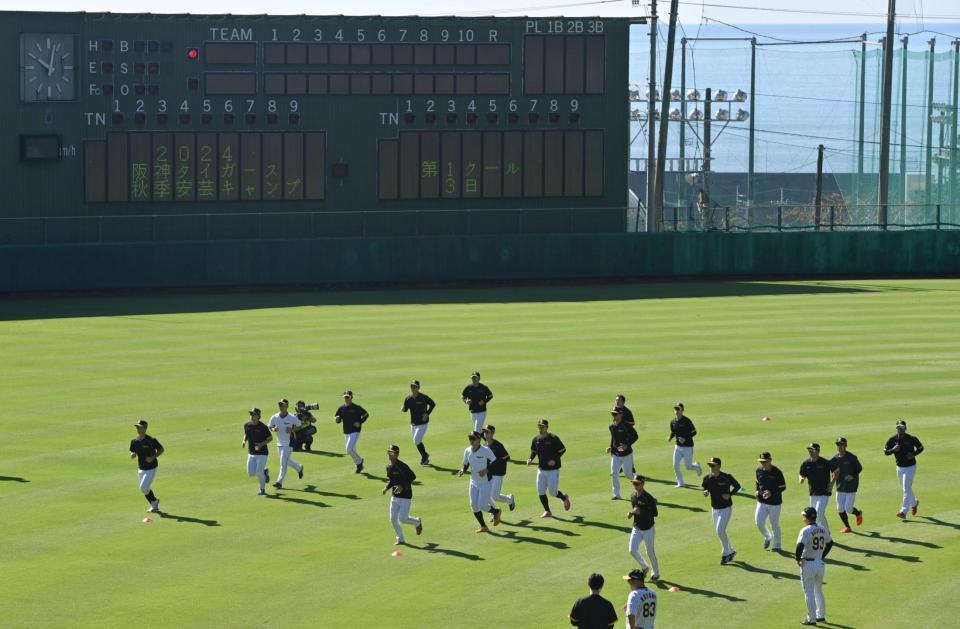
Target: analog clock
[(48, 67)]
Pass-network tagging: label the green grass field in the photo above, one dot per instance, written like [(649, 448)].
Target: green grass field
[(822, 358)]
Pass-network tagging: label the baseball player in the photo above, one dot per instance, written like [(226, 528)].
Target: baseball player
[(284, 424), (256, 436), (420, 406), (643, 513), (548, 448), (476, 396), (593, 611), (641, 607), (769, 493), (721, 486), (905, 448), (477, 458), (622, 438), (813, 544), (400, 483), (816, 471), (145, 449), (351, 416), (620, 403), (846, 476), (498, 469), (683, 430)]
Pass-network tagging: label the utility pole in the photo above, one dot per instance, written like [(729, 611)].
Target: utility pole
[(928, 171), (903, 123), (753, 122), (683, 104), (665, 121), (652, 119), (707, 114), (819, 200), (884, 191), (863, 113)]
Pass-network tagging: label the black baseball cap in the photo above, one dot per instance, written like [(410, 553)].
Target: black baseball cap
[(635, 575), (809, 513), (840, 440), (475, 374), (473, 435), (490, 427), (283, 401), (678, 406), (542, 422), (415, 383), (714, 460), (639, 478), (254, 411), (348, 392), (813, 446), (395, 449), (142, 423), (901, 425), (764, 456)]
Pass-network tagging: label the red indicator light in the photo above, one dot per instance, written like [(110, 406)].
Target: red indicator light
[(193, 53)]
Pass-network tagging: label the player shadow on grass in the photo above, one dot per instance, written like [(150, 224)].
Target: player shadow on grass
[(321, 453), (312, 489), (373, 477), (512, 535), (432, 547), (877, 553), (664, 585), (14, 479), (897, 540), (183, 518), (776, 574), (579, 519), (670, 505), (855, 566), (299, 501), (935, 521), (448, 470), (528, 524)]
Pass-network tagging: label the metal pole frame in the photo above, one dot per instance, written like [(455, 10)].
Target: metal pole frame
[(652, 118)]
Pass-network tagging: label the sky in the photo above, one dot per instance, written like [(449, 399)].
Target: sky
[(691, 11)]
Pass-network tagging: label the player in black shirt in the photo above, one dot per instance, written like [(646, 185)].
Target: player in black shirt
[(420, 406), (498, 469), (476, 396), (400, 483), (351, 416), (846, 470), (548, 448), (145, 449), (905, 449), (643, 513), (622, 438), (683, 430), (620, 403), (256, 436), (770, 487), (816, 471), (593, 611), (721, 486)]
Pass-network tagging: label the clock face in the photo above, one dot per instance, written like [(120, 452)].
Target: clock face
[(48, 67)]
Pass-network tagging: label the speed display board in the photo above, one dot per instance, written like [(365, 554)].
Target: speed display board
[(149, 114)]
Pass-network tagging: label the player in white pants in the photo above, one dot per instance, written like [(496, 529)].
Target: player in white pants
[(477, 458), (905, 448), (813, 544), (284, 424), (641, 607), (400, 483), (145, 449), (352, 417), (643, 513), (769, 493), (256, 436), (721, 486), (683, 430), (498, 469), (476, 396), (622, 438)]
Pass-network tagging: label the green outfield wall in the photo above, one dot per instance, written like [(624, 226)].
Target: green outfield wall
[(354, 261)]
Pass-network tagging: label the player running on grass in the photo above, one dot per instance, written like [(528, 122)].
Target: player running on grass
[(547, 448)]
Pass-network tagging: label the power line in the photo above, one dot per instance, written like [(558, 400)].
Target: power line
[(809, 11)]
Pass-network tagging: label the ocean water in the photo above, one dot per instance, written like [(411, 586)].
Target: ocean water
[(806, 95)]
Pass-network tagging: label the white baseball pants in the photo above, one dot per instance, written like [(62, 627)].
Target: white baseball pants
[(256, 464), (351, 441), (496, 482), (418, 431), (400, 513), (480, 495), (721, 517), (478, 419), (905, 476), (811, 577), (767, 512), (616, 462), (146, 479), (685, 454), (637, 536), (820, 504), (548, 482), (845, 501), (286, 461)]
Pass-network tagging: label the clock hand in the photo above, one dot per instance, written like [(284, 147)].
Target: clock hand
[(53, 54), (38, 60)]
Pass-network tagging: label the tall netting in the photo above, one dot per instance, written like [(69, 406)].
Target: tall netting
[(806, 95)]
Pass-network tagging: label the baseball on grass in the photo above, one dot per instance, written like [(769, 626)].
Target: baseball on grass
[(396, 553), (766, 418), (674, 589)]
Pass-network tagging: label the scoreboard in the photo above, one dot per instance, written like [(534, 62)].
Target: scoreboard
[(131, 114)]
